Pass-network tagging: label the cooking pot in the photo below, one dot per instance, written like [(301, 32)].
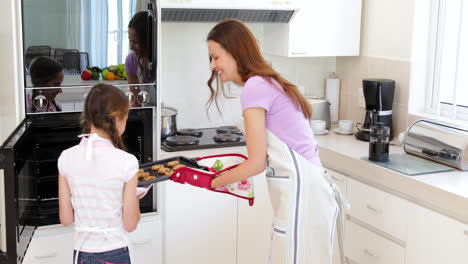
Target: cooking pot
[(168, 121), (320, 109)]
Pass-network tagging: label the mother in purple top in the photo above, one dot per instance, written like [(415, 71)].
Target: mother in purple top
[(136, 63), (279, 139)]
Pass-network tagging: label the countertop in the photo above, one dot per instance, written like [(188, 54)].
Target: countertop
[(444, 192)]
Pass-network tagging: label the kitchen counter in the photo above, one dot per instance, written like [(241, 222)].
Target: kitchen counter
[(444, 192)]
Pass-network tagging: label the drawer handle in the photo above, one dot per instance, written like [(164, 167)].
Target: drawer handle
[(370, 207), (298, 53), (337, 178), (370, 254), (142, 242), (50, 255), (465, 232)]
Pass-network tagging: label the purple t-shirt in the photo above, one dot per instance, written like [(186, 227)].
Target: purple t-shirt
[(282, 118), (131, 67)]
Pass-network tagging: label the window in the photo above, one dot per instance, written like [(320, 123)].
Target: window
[(447, 59), (119, 14)]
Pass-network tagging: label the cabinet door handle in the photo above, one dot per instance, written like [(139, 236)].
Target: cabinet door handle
[(337, 178), (141, 242), (370, 207), (370, 254), (50, 255)]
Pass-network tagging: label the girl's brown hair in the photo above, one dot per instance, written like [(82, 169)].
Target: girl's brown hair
[(239, 41), (104, 103)]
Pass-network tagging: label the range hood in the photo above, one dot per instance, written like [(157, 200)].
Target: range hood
[(263, 11)]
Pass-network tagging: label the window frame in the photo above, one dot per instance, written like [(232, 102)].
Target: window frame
[(433, 104)]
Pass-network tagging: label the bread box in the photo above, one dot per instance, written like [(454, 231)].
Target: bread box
[(439, 141)]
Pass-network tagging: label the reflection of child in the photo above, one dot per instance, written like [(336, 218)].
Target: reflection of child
[(45, 72), (98, 181)]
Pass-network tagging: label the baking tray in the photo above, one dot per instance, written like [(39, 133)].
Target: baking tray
[(189, 162)]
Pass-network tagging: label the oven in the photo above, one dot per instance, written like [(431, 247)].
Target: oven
[(31, 176), (52, 121)]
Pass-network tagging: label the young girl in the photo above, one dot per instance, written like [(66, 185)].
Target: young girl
[(98, 183), (45, 72), (278, 135)]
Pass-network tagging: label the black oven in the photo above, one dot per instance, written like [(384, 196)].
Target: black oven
[(31, 176)]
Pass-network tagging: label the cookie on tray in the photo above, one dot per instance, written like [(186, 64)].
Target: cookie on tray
[(157, 167), (173, 163), (178, 166), (164, 170), (147, 178)]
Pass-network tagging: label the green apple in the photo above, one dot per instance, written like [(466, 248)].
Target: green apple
[(104, 74)]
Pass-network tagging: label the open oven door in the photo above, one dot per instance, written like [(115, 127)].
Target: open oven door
[(29, 159), (15, 152)]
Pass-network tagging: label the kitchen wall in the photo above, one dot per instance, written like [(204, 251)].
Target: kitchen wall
[(386, 32), (186, 70)]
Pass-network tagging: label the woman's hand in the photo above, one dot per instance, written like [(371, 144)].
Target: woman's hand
[(255, 137)]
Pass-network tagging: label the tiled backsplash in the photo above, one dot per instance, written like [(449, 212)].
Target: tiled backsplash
[(186, 70), (351, 71)]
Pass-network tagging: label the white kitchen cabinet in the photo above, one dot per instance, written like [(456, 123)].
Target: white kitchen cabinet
[(378, 209), (254, 225), (434, 238), (319, 28), (54, 244), (200, 225), (147, 241), (366, 247), (50, 245)]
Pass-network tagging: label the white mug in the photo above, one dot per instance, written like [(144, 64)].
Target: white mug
[(317, 125), (346, 125)]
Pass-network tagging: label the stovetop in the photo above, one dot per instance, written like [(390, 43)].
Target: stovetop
[(204, 138)]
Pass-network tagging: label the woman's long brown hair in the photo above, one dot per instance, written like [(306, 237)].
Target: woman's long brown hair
[(104, 103), (239, 41), (139, 23)]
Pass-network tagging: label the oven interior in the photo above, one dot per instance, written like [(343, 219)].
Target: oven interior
[(35, 163)]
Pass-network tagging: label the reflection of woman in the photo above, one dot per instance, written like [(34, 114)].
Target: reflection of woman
[(279, 137), (136, 63), (45, 72)]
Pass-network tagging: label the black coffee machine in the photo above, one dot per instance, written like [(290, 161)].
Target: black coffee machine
[(378, 94)]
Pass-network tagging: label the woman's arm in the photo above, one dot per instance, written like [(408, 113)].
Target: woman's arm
[(131, 206), (255, 136), (67, 215)]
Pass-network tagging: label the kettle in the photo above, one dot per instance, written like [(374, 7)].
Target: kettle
[(320, 109)]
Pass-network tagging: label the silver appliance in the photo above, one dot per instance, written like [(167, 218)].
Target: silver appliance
[(439, 141), (320, 109)]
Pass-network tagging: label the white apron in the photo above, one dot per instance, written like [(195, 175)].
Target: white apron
[(81, 228), (306, 205)]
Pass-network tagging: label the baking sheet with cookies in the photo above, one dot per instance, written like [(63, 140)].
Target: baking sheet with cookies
[(161, 170)]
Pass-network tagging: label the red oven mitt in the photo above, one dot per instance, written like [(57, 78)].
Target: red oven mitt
[(193, 177), (217, 164)]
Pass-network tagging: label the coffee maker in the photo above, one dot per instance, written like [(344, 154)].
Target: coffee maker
[(378, 94)]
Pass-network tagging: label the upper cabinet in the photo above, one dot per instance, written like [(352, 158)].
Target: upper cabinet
[(319, 28)]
